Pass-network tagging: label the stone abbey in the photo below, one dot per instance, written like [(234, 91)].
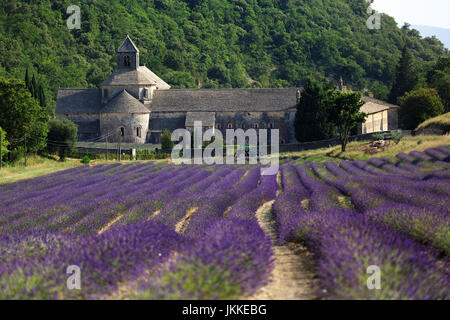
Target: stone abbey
[(134, 105)]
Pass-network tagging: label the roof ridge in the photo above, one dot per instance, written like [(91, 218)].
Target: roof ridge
[(130, 105), (78, 88), (386, 103), (128, 41), (229, 89)]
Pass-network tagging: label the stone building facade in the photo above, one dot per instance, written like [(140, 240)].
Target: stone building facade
[(134, 105), (382, 116)]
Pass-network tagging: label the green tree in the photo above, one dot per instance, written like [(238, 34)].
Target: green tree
[(312, 117), (62, 137), (439, 78), (248, 39), (345, 113), (405, 77), (20, 115), (27, 80), (4, 143), (417, 106), (34, 87), (166, 140)]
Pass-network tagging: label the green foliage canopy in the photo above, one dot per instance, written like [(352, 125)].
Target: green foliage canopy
[(206, 43), (20, 115), (345, 113), (405, 77), (4, 141), (417, 106), (62, 137), (166, 140), (439, 78), (312, 117)]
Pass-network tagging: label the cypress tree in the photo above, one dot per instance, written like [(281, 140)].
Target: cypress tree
[(27, 79), (34, 87), (39, 95), (312, 117), (42, 97), (405, 77)]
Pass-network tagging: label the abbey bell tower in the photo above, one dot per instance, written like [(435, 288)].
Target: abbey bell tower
[(128, 55)]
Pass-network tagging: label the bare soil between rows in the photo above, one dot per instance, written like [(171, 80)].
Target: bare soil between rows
[(293, 276)]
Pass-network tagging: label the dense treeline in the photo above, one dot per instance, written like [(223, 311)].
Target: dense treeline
[(208, 43)]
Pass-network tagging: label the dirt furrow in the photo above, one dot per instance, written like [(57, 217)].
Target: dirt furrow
[(293, 275)]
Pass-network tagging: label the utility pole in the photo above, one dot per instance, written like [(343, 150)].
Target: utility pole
[(25, 149)]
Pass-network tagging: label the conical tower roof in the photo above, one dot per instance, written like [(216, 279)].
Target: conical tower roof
[(124, 102), (128, 46)]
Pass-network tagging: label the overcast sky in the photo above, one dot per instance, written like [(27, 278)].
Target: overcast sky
[(434, 13)]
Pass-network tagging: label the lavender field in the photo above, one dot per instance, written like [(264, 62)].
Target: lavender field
[(154, 231)]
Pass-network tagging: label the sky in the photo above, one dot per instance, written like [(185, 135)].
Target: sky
[(434, 13)]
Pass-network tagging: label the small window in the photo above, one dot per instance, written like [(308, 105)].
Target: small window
[(139, 132), (126, 61), (122, 131), (282, 141), (256, 126), (230, 126), (270, 125), (243, 126), (218, 126)]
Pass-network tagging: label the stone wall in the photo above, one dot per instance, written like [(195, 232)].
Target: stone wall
[(111, 124), (88, 124), (393, 119), (284, 121), (376, 122)]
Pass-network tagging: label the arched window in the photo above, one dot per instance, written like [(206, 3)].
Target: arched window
[(243, 125), (282, 141), (256, 126), (270, 125), (139, 132), (218, 126), (122, 131), (230, 126), (126, 61)]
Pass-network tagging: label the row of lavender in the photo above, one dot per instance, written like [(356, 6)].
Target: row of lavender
[(52, 222), (223, 253), (226, 255), (117, 223), (383, 212)]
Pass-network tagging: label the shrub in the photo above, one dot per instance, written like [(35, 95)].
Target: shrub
[(417, 106), (90, 155), (397, 136), (62, 137), (378, 136), (85, 160), (148, 155), (166, 140), (5, 142)]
